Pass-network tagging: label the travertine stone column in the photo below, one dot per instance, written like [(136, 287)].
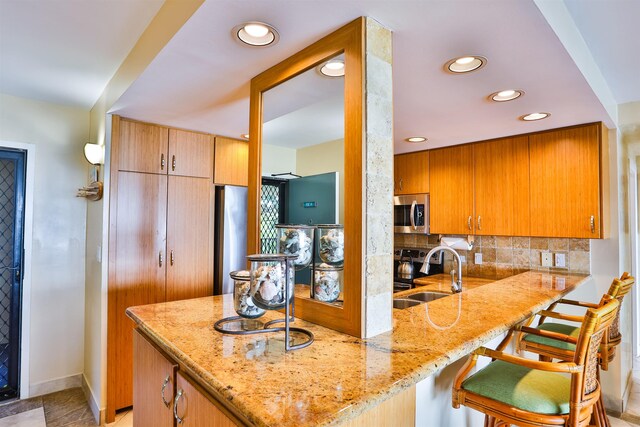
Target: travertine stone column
[(377, 207)]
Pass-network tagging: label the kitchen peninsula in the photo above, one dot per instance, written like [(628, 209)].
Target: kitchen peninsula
[(339, 379)]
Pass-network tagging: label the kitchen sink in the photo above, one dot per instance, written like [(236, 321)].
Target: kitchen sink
[(405, 303), (427, 296)]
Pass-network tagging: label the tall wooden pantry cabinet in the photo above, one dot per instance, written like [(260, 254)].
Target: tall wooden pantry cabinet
[(161, 232)]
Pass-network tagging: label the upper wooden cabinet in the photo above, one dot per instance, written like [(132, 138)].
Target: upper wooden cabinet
[(501, 187), (565, 180), (546, 184), (156, 149), (451, 189), (144, 147), (411, 173), (231, 162), (190, 154)]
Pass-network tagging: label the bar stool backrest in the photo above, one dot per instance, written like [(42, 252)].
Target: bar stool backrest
[(595, 324)]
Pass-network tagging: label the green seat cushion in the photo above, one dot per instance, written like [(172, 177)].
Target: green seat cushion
[(528, 389), (561, 328)]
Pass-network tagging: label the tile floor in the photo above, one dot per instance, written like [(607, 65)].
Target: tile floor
[(66, 408), (69, 409)]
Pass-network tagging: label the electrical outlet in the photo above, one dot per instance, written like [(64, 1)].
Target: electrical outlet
[(560, 260), (463, 259), (478, 258), (547, 260)]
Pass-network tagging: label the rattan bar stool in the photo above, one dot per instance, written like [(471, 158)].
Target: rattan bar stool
[(528, 393), (557, 340)]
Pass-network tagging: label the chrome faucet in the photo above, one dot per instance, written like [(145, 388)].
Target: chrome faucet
[(456, 285)]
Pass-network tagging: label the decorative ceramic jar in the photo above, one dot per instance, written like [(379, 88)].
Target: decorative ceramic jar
[(242, 300), (297, 240), (327, 282), (331, 243), (270, 273)]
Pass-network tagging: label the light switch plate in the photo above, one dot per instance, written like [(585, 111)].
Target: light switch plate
[(99, 253), (463, 259), (560, 260), (547, 260), (478, 258)]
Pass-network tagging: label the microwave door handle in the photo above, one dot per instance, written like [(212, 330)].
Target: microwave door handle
[(412, 216)]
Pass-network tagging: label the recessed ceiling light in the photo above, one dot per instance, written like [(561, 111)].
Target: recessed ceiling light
[(465, 64), (416, 139), (506, 95), (534, 116), (256, 34), (332, 68), (245, 135)]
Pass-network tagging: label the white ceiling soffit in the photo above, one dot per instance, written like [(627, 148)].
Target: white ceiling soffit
[(200, 80), (65, 52), (611, 29)]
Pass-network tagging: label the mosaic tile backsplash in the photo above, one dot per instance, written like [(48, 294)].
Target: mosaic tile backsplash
[(506, 256)]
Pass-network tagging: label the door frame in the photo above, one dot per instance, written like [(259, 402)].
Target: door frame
[(635, 264), (25, 308)]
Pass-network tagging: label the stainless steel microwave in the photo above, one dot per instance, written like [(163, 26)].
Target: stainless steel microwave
[(411, 214)]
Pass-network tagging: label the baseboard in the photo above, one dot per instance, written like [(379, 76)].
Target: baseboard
[(627, 391), (58, 384), (98, 414)]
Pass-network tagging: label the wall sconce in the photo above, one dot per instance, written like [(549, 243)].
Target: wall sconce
[(94, 153)]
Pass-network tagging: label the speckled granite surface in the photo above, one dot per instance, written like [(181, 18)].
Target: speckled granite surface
[(442, 283), (338, 376)]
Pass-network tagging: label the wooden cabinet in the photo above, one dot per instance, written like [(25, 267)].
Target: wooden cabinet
[(140, 278), (146, 148), (545, 184), (451, 189), (162, 394), (158, 149), (565, 194), (190, 154), (231, 162), (161, 234), (411, 173), (154, 384), (189, 238), (501, 187), (195, 409)]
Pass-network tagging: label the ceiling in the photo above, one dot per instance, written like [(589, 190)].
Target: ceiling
[(612, 32), (66, 51), (200, 80)]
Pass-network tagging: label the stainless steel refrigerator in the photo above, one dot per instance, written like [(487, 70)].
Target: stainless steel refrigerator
[(230, 249)]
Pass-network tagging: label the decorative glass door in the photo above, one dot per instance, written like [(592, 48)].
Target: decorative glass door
[(12, 185)]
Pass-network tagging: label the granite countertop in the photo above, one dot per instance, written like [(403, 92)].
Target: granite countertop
[(339, 376), (442, 283)]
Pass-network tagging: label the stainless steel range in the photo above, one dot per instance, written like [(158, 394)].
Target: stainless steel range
[(413, 257)]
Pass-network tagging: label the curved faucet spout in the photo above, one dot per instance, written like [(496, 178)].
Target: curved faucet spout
[(456, 285)]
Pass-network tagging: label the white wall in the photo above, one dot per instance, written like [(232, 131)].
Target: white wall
[(95, 309), (323, 158), (276, 159), (57, 295)]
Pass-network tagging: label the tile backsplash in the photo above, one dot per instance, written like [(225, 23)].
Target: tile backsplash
[(506, 256)]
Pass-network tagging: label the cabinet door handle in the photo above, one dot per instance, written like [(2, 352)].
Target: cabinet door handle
[(592, 222), (173, 163), (161, 161), (171, 258), (469, 222), (160, 259), (400, 184), (175, 407), (167, 380), (479, 222)]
